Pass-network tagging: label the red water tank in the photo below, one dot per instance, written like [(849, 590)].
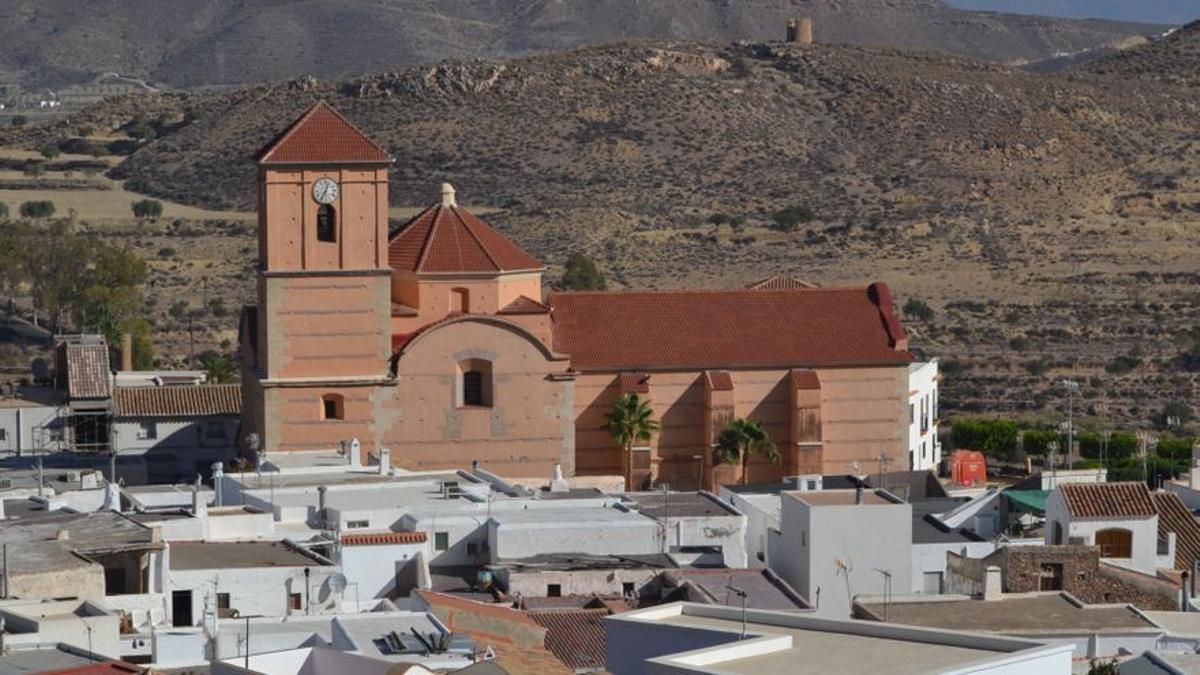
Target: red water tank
[(968, 467)]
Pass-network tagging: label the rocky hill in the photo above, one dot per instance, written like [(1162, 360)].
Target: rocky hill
[(1048, 222), (187, 43), (1174, 59)]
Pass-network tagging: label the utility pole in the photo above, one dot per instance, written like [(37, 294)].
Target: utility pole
[(1072, 389)]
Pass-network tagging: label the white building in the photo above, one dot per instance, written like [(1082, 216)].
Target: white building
[(685, 638), (840, 543), (1120, 518), (924, 449), (82, 624)]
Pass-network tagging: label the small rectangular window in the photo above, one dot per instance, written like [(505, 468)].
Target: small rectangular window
[(357, 524), (553, 590), (3, 434), (295, 601), (441, 541), (627, 588), (147, 431), (473, 388), (222, 601), (472, 549), (330, 409)]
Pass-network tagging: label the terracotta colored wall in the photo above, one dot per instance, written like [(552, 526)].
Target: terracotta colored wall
[(432, 295), (293, 420), (288, 214), (325, 326), (861, 414), (526, 431)]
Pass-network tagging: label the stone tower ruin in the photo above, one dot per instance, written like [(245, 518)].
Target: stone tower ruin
[(800, 30)]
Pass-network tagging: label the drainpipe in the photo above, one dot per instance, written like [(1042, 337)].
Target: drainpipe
[(1183, 594), (1195, 572)]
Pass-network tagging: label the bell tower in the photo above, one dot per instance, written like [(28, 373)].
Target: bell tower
[(316, 357)]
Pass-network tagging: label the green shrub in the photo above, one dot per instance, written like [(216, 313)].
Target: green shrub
[(918, 309), (995, 438), (790, 218)]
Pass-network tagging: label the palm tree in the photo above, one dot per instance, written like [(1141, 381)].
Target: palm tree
[(631, 420), (741, 439), (220, 368)]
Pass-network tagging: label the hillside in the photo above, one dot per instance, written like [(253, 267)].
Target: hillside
[(186, 43), (1049, 221), (1174, 59), (1148, 11)]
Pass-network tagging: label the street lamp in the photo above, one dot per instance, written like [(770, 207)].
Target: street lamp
[(1072, 387)]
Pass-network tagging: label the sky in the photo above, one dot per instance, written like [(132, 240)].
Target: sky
[(1147, 11)]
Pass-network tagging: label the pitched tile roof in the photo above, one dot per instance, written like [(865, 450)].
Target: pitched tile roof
[(88, 372), (448, 239), (1175, 516), (322, 135), (575, 637), (383, 538), (725, 329), (1108, 500), (781, 283), (525, 305), (201, 400)]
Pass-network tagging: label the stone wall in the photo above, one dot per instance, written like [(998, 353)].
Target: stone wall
[(1083, 575)]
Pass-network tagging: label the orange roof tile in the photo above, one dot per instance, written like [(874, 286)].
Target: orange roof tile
[(697, 329), (401, 309), (525, 305), (1174, 516), (201, 400), (805, 379), (781, 283), (1108, 500), (88, 372), (322, 136), (383, 538), (449, 239), (575, 637)]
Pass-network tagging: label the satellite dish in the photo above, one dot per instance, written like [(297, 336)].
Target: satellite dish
[(336, 582)]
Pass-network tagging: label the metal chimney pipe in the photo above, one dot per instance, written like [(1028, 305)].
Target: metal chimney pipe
[(321, 490), (859, 497), (218, 475)]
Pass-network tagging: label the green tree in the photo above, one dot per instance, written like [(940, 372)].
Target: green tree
[(143, 347), (741, 439), (1098, 667), (1034, 441), (147, 209), (221, 368), (630, 420), (995, 438), (37, 209), (3, 211), (581, 274), (50, 151), (790, 218)]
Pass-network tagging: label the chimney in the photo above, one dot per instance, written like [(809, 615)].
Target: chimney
[(62, 535), (321, 490), (859, 497), (800, 30), (218, 489), (126, 352), (448, 199), (385, 461), (355, 454), (112, 497), (199, 504)]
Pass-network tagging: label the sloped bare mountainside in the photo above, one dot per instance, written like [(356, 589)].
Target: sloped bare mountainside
[(1050, 221), (1173, 59), (203, 42)]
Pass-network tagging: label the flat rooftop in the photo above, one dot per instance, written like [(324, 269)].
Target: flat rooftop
[(214, 555), (678, 505), (814, 645), (839, 497), (1032, 614)]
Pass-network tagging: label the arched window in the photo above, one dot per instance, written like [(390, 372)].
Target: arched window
[(326, 223), (474, 384), (333, 407), (1115, 543), (460, 300)]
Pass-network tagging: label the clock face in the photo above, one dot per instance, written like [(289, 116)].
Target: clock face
[(325, 191)]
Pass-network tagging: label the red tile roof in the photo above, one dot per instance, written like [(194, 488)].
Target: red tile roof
[(449, 239), (657, 330), (108, 668), (525, 305), (1174, 516), (383, 538), (1108, 500), (322, 136), (575, 637), (779, 283), (634, 383), (88, 371), (201, 400), (719, 380)]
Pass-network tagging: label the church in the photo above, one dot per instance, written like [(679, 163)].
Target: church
[(440, 344)]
